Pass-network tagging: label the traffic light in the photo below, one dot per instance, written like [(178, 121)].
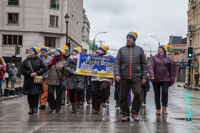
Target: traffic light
[(18, 50), (190, 52)]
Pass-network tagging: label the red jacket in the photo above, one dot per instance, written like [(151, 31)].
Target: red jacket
[(2, 71)]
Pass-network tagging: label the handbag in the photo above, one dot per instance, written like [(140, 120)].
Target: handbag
[(37, 79), (61, 81), (6, 75)]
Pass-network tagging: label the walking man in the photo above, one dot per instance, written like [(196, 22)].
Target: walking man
[(14, 72), (43, 97), (131, 67)]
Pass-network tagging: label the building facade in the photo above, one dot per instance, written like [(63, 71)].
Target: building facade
[(194, 34), (28, 23), (85, 31)]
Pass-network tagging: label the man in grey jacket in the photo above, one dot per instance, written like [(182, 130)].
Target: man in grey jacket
[(43, 97), (14, 71), (131, 67)]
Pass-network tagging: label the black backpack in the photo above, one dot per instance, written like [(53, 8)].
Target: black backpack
[(146, 86)]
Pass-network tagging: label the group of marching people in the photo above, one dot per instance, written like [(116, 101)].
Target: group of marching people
[(130, 71), (39, 63)]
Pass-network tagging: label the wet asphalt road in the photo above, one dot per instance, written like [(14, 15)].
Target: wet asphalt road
[(183, 104)]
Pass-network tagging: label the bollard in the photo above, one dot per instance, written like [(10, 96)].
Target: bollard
[(21, 90), (12, 92), (17, 91), (6, 92)]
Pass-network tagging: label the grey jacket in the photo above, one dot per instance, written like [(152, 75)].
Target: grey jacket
[(14, 71), (131, 62), (73, 81), (45, 60)]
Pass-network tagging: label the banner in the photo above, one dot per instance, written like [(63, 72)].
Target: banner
[(101, 66)]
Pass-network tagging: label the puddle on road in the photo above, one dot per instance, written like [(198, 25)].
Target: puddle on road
[(187, 119)]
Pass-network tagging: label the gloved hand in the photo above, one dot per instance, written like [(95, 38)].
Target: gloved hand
[(12, 74)]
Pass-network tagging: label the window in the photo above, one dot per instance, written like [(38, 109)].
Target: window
[(54, 19), (50, 42), (13, 18), (12, 39), (53, 4), (13, 2)]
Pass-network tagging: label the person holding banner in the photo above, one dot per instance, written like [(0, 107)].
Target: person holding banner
[(75, 83), (103, 83), (56, 71), (131, 70)]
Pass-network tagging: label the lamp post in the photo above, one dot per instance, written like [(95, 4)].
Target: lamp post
[(67, 21), (149, 47), (157, 39), (95, 38), (190, 61)]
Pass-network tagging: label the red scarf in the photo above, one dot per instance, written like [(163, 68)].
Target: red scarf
[(55, 59)]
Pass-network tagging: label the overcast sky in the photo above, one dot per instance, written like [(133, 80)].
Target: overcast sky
[(160, 18)]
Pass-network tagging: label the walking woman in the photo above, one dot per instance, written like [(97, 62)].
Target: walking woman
[(2, 72), (31, 67), (75, 83), (162, 74), (56, 70), (99, 96)]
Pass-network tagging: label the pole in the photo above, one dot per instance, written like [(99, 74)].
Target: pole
[(189, 68), (93, 44), (67, 34), (101, 42), (15, 55)]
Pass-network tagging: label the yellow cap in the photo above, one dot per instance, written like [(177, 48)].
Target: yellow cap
[(134, 35), (77, 49), (36, 50), (104, 48)]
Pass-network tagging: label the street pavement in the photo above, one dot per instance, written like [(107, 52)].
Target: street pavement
[(183, 104)]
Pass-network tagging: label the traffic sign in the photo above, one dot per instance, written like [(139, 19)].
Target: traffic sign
[(176, 50)]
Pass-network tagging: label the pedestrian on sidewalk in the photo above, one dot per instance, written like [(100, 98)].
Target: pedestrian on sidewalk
[(66, 55), (162, 74), (2, 72), (56, 70), (84, 51), (9, 73), (43, 97), (14, 72), (100, 85), (131, 67), (197, 78), (31, 67), (75, 83)]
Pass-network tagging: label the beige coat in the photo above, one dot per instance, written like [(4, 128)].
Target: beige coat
[(52, 78)]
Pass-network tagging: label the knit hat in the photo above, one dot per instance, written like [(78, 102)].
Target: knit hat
[(134, 35), (36, 50), (44, 48), (77, 49), (85, 49), (104, 48), (165, 48), (60, 50), (66, 48)]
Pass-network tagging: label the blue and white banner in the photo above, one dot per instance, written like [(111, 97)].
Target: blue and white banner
[(101, 66)]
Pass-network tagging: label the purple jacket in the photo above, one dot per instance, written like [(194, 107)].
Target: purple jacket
[(159, 71)]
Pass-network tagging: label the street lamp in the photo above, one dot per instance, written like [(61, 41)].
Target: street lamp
[(190, 61), (67, 21), (95, 38), (149, 47), (190, 39), (157, 39)]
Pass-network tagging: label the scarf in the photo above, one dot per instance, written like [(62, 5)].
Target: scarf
[(102, 54), (55, 59), (73, 59)]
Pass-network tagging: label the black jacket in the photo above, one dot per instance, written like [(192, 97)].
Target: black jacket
[(38, 66), (66, 57)]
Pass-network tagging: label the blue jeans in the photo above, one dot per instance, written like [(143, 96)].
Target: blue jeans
[(7, 81), (1, 83)]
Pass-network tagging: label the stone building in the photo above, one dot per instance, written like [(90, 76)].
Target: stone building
[(193, 35), (85, 31), (28, 23)]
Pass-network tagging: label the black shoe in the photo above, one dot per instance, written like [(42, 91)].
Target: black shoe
[(35, 110), (51, 110), (73, 108), (117, 104), (77, 106), (31, 111), (57, 110), (144, 101), (42, 107)]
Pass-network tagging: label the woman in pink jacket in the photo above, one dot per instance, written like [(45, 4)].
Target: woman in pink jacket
[(2, 72)]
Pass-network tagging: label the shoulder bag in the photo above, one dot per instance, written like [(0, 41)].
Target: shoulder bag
[(61, 81), (37, 79)]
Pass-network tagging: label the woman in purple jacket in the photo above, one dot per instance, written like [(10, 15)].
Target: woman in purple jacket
[(162, 74)]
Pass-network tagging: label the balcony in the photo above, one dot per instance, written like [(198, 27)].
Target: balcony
[(193, 4), (192, 27), (54, 6), (13, 3)]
